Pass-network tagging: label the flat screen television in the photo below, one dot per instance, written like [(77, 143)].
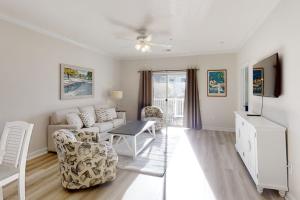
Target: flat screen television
[(267, 77)]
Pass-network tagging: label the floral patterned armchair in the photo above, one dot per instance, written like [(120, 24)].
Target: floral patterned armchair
[(83, 162), (153, 113)]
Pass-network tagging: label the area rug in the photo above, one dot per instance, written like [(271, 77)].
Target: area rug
[(154, 159)]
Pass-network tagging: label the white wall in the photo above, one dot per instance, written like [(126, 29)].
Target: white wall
[(216, 112), (30, 77), (281, 33)]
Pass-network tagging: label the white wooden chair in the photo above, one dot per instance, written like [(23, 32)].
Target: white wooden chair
[(13, 153)]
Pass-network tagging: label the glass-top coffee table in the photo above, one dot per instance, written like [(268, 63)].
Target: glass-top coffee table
[(127, 144)]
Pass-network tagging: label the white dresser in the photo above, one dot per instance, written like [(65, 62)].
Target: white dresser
[(261, 144)]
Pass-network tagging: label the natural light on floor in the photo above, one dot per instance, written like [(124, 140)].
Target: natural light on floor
[(185, 177)]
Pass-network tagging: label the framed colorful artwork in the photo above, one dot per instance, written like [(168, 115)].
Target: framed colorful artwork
[(217, 83), (76, 82), (258, 81)]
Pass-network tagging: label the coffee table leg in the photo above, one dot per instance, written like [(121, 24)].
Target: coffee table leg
[(134, 147), (153, 130)]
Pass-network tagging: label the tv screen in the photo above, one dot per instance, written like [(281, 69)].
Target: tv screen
[(267, 77)]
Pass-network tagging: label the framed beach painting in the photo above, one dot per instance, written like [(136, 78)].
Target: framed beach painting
[(217, 83), (76, 82)]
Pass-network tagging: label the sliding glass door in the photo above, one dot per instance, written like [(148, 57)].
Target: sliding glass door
[(168, 94)]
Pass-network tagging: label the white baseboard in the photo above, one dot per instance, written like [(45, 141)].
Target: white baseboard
[(289, 196), (213, 128), (37, 153)]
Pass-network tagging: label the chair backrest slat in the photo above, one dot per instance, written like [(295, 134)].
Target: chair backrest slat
[(12, 142)]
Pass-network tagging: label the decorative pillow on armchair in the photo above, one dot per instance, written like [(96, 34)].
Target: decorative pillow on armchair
[(87, 119), (74, 119)]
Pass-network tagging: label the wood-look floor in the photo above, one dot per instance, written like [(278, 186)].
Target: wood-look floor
[(204, 166)]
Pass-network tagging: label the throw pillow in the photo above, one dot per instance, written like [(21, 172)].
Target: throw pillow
[(74, 119), (111, 113), (87, 119), (101, 115)]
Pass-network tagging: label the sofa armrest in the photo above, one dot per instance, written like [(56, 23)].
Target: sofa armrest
[(52, 129), (121, 115)]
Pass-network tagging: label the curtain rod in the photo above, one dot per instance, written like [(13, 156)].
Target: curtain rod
[(167, 70)]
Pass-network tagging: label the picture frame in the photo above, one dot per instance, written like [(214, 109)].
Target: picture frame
[(217, 83), (76, 82), (258, 81)]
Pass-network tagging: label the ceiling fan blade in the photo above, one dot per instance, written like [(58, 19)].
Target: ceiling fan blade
[(160, 45), (124, 25), (127, 39), (161, 32), (149, 38)]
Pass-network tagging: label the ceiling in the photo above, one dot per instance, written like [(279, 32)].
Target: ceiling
[(190, 26)]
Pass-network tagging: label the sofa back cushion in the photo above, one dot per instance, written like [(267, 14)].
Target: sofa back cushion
[(101, 115), (87, 119), (74, 119), (106, 114), (111, 113), (90, 110), (59, 117)]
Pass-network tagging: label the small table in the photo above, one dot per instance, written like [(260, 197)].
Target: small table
[(128, 134)]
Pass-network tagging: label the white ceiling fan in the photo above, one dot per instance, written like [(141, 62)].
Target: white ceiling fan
[(143, 41)]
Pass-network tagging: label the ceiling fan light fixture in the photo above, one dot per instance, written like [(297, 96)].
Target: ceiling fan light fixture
[(143, 47), (138, 46)]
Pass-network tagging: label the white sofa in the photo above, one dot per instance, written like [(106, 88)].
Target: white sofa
[(58, 121)]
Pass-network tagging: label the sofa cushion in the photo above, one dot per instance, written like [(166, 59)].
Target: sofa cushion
[(111, 113), (87, 119), (90, 110), (74, 119), (59, 117), (104, 126), (91, 129), (101, 115), (118, 122)]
